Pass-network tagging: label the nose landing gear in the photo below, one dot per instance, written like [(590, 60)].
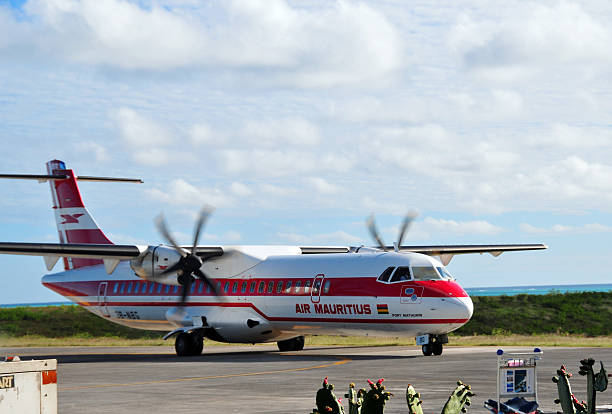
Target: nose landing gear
[(432, 344)]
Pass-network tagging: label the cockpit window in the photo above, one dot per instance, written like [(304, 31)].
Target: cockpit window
[(401, 274), (424, 273), (444, 273), (384, 276)]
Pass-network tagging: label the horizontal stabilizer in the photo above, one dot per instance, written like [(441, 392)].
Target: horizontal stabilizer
[(52, 177)]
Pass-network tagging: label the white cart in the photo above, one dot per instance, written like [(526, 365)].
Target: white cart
[(28, 387), (517, 382)]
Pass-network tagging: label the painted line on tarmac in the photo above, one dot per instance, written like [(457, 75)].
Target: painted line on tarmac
[(244, 374)]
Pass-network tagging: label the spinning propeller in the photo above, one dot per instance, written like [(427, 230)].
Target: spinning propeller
[(189, 264), (408, 219)]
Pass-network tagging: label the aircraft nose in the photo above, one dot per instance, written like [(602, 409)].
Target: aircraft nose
[(469, 306)]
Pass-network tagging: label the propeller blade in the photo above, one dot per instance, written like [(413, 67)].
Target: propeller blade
[(206, 280), (204, 213), (185, 292), (163, 229), (374, 232), (408, 219)]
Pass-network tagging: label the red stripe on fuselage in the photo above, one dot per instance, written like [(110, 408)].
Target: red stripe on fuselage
[(342, 286)]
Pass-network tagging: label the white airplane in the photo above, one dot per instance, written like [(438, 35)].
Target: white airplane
[(251, 294)]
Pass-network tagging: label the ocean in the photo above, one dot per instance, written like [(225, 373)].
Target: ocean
[(473, 291), (536, 290)]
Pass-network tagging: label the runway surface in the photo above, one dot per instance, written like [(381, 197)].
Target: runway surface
[(259, 379)]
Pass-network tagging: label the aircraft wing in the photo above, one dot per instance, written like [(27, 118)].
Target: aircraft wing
[(445, 252)]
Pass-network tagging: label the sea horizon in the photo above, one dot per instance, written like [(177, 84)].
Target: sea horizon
[(472, 291)]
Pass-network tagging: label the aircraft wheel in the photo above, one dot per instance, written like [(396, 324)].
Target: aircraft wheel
[(183, 344), (427, 349), (293, 344), (188, 344), (437, 348), (198, 344)]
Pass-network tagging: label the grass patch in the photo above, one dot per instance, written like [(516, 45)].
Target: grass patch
[(323, 340), (568, 319)]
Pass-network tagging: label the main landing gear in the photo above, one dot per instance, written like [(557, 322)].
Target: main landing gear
[(189, 344), (432, 344), (293, 344)]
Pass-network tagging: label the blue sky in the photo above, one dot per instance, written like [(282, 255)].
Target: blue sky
[(298, 119)]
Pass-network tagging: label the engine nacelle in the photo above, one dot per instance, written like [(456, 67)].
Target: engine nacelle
[(154, 262)]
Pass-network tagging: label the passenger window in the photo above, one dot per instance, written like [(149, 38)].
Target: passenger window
[(244, 287), (219, 287), (424, 273), (116, 287), (262, 286), (167, 289), (193, 286), (235, 287), (200, 286), (279, 286), (384, 276), (401, 274), (175, 290), (271, 286), (307, 287), (129, 289), (326, 286), (226, 287), (252, 289), (298, 284), (288, 287), (159, 288), (144, 287), (151, 287), (122, 287), (136, 287), (207, 288)]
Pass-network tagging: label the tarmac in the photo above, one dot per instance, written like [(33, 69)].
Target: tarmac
[(259, 379)]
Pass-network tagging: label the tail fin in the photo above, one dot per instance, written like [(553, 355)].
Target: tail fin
[(74, 223)]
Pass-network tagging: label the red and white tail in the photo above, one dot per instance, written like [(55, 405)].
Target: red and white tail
[(74, 223)]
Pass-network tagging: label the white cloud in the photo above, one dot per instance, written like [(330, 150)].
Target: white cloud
[(230, 236), (180, 192), (321, 186), (286, 132), (340, 43), (99, 152), (560, 228), (431, 224), (240, 189), (339, 237), (531, 37), (140, 132)]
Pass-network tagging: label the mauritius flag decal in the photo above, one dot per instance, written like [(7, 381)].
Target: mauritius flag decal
[(382, 309)]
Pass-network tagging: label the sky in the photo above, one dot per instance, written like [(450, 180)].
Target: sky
[(298, 119)]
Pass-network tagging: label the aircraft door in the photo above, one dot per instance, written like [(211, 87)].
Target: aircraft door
[(102, 287), (317, 285)]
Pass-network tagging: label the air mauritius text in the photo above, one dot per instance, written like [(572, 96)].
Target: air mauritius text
[(334, 309)]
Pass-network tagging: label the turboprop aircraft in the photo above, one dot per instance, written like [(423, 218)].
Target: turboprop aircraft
[(251, 294)]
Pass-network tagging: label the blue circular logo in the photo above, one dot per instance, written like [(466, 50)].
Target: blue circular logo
[(409, 291), (414, 297)]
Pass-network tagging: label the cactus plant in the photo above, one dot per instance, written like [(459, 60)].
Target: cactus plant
[(595, 382), (457, 403), (459, 399), (326, 399), (569, 403), (413, 399)]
